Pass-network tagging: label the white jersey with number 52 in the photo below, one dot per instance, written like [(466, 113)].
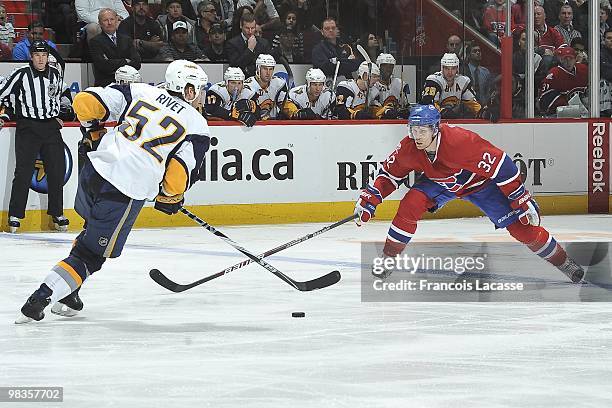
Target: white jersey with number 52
[(153, 128)]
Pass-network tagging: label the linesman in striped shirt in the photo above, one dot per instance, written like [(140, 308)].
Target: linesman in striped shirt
[(37, 89)]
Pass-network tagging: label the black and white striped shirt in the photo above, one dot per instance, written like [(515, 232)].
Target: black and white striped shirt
[(37, 94)]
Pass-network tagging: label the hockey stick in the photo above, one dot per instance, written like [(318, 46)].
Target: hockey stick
[(327, 112), (366, 57), (163, 280), (317, 283), (289, 84)]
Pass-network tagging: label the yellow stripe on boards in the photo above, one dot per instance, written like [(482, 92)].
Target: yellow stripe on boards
[(287, 213)]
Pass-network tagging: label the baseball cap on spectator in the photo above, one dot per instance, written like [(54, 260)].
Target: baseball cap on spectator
[(140, 1), (216, 29), (565, 52), (179, 24)]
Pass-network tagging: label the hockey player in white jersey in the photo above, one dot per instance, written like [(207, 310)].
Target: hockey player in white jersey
[(389, 99), (267, 90), (449, 91), (127, 75), (310, 101), (229, 99), (351, 94), (155, 153)]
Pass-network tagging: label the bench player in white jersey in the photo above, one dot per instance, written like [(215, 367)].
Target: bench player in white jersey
[(449, 91), (229, 100), (310, 101), (351, 94), (155, 153), (267, 90), (390, 89)]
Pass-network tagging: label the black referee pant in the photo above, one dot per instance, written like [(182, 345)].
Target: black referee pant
[(31, 137)]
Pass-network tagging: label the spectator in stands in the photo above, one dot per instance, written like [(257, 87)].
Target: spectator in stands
[(62, 19), (480, 76), (216, 50), (549, 38), (581, 16), (89, 10), (36, 31), (563, 82), (580, 46), (552, 8), (290, 21), (454, 45), (207, 16), (174, 11), (494, 21), (286, 47), (372, 44), (266, 16), (605, 70), (189, 9), (5, 55), (143, 30), (243, 50), (606, 57), (225, 12), (240, 11), (328, 52), (518, 13), (519, 40), (603, 23), (110, 50), (566, 26), (7, 31), (179, 47)]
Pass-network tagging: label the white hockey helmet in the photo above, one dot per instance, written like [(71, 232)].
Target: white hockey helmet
[(180, 73), (449, 59), (127, 75), (363, 69), (315, 75), (385, 59), (233, 74), (264, 60)]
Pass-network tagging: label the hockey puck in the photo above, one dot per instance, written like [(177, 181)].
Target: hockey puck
[(298, 314)]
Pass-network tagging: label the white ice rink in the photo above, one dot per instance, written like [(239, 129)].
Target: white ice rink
[(233, 343)]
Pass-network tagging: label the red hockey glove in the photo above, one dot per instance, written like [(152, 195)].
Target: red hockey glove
[(522, 200), (366, 204)]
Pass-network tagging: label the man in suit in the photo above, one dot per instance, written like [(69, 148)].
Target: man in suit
[(243, 50), (110, 49)]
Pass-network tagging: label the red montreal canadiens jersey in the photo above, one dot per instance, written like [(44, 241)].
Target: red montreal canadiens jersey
[(560, 85), (463, 161)]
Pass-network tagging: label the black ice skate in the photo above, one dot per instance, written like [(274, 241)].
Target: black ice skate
[(34, 306), (60, 223), (69, 306), (572, 270), (13, 224)]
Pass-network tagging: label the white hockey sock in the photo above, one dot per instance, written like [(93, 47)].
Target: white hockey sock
[(58, 285)]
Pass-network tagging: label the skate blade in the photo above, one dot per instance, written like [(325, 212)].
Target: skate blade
[(23, 319), (63, 310), (13, 230), (60, 228)]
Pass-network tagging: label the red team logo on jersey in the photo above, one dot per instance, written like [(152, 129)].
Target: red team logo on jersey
[(450, 183)]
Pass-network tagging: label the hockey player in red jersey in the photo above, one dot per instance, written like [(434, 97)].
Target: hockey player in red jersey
[(563, 81), (457, 163)]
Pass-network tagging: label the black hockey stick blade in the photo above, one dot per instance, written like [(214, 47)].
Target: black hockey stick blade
[(319, 283)]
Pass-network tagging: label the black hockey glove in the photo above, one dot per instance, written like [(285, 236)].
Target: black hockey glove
[(242, 105), (364, 114), (169, 204), (248, 119), (390, 113), (92, 133), (305, 114), (451, 112)]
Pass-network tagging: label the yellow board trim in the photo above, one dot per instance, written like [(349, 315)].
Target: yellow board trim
[(287, 213), (77, 278)]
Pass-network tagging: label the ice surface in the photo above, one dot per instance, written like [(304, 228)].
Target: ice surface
[(233, 343)]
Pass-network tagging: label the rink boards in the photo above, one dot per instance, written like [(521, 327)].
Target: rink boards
[(285, 172)]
